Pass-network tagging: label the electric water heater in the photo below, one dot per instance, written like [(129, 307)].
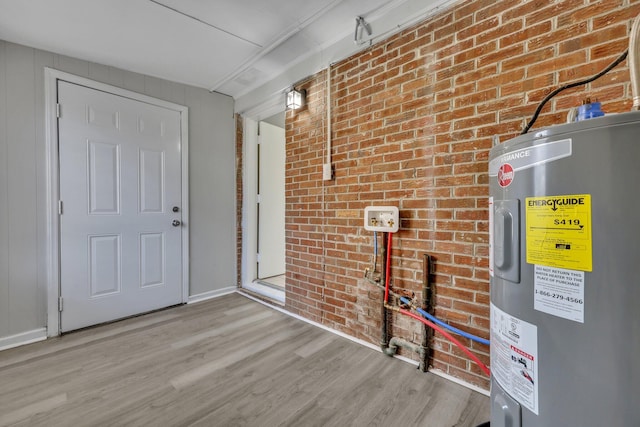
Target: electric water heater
[(564, 221)]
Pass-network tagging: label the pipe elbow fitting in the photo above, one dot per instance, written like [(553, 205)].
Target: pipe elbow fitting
[(389, 350)]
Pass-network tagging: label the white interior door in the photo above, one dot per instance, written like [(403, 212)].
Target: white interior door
[(120, 187), (271, 207)]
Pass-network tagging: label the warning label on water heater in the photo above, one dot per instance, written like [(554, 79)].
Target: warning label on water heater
[(559, 292), (559, 231), (514, 357)]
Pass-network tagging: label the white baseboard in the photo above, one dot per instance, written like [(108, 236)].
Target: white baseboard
[(211, 294), (459, 381), (367, 344), (23, 338)]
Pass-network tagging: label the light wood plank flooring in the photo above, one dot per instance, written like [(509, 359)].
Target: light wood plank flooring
[(224, 362)]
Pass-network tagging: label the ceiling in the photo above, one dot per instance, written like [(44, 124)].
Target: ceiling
[(228, 46)]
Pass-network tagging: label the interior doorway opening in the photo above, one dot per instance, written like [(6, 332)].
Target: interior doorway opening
[(264, 247)]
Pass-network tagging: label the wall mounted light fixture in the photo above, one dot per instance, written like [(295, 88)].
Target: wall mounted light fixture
[(296, 99)]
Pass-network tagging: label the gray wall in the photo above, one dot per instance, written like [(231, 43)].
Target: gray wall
[(212, 193)]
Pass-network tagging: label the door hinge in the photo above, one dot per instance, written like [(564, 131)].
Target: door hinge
[(258, 257), (58, 113), (258, 198), (60, 304), (59, 207)]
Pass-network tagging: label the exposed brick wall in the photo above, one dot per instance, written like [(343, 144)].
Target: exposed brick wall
[(413, 119), (239, 195)]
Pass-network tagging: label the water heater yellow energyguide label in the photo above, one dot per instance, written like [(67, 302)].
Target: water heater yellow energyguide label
[(559, 231)]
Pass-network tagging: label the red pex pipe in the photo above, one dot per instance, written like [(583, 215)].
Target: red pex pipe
[(450, 338), (387, 275)]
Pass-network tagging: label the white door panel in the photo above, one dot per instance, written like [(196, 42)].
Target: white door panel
[(151, 181), (120, 177), (105, 254), (271, 223)]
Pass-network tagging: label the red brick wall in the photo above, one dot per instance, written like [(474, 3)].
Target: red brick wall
[(239, 195), (413, 119)]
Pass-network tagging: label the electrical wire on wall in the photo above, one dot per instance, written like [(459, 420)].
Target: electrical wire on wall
[(553, 93)]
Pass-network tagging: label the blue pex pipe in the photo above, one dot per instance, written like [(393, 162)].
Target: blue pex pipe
[(445, 325), (375, 243)]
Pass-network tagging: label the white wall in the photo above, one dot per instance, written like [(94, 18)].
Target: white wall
[(271, 221), (23, 177)]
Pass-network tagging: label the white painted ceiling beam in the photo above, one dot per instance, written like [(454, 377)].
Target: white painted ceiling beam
[(249, 49)]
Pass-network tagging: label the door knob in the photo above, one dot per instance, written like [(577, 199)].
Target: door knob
[(176, 223)]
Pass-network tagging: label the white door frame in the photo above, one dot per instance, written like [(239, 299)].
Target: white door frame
[(249, 203), (251, 119), (53, 187)]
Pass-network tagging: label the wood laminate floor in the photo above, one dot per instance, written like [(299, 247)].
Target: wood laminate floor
[(224, 362)]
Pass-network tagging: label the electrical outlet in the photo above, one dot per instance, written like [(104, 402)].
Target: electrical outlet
[(381, 218)]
